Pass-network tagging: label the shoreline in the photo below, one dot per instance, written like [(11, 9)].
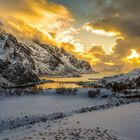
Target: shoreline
[(27, 85)]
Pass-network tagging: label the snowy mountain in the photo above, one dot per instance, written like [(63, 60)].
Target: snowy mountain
[(21, 63), (16, 65), (53, 61), (129, 80)]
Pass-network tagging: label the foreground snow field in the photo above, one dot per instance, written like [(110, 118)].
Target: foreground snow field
[(45, 104), (19, 111), (123, 121), (52, 116)]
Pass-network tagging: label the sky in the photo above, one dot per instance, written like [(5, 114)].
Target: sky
[(82, 10), (106, 33)]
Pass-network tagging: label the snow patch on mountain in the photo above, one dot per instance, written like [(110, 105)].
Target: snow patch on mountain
[(52, 61), (16, 65), (21, 63)]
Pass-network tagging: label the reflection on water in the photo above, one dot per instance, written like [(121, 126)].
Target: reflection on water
[(70, 82), (56, 85)]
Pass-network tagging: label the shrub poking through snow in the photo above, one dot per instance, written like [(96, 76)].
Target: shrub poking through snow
[(93, 93), (66, 91)]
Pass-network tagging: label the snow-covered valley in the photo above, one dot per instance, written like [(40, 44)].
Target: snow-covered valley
[(52, 116), (71, 114)]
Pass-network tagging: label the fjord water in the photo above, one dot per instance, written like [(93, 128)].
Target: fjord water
[(72, 82)]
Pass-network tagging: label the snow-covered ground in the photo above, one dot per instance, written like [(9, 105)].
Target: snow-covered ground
[(123, 77), (54, 116), (131, 79), (45, 104), (123, 121), (55, 119), (19, 111)]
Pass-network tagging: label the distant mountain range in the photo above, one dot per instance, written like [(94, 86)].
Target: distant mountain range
[(22, 63)]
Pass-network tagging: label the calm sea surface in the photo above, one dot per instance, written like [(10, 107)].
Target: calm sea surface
[(71, 82)]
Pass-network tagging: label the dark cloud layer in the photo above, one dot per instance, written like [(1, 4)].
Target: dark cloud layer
[(119, 16), (122, 15)]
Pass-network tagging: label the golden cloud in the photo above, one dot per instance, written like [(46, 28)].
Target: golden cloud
[(43, 20), (68, 37), (104, 31), (30, 15)]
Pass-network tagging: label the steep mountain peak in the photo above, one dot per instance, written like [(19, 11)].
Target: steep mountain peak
[(16, 65), (53, 61), (20, 63)]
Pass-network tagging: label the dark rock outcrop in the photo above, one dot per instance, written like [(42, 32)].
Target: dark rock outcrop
[(21, 63), (53, 61), (16, 65)]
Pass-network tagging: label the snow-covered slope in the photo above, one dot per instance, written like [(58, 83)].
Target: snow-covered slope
[(16, 65), (54, 61), (126, 81), (20, 63)]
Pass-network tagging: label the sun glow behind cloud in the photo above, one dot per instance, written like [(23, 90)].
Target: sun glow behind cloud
[(43, 20), (134, 57), (68, 36), (27, 16)]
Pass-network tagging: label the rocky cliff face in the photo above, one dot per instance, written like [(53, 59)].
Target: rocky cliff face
[(21, 64), (16, 65), (51, 60)]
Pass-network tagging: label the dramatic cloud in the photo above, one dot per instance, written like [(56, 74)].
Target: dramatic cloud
[(50, 22), (99, 30), (26, 16), (41, 19), (69, 37), (119, 18)]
